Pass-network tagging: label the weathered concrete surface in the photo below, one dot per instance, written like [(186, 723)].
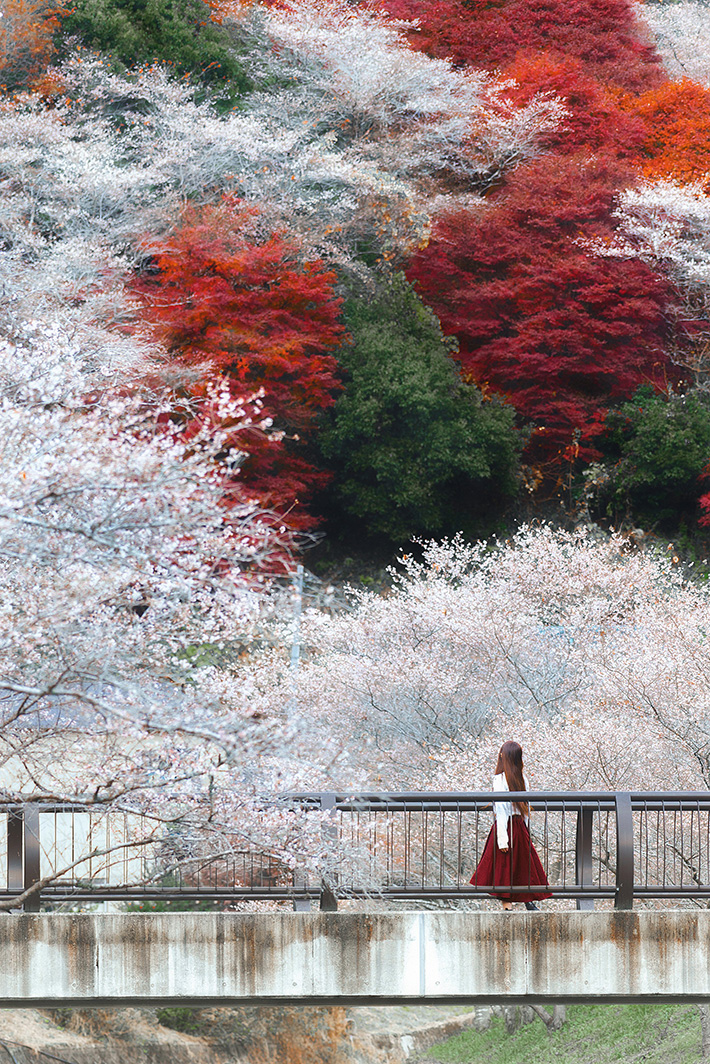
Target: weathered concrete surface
[(353, 958)]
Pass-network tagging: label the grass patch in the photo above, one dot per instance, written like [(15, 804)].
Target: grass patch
[(593, 1034), (180, 1018)]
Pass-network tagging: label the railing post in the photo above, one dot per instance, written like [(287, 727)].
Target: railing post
[(301, 905), (31, 855), (583, 854), (23, 851), (624, 852), (15, 868), (328, 900)]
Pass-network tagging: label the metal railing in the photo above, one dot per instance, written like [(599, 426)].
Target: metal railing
[(617, 846)]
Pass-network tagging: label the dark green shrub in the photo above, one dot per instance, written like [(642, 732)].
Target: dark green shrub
[(61, 1016), (415, 450), (180, 1018), (177, 32), (657, 447)]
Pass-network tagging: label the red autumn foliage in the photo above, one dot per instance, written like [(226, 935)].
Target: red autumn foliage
[(677, 121), (559, 331), (704, 501), (239, 306), (602, 34), (595, 122)]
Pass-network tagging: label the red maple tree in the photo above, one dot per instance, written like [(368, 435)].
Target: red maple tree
[(239, 306), (602, 34), (540, 318), (595, 120), (562, 332)]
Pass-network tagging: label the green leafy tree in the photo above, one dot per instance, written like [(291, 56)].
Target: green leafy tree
[(178, 32), (415, 449), (657, 449)]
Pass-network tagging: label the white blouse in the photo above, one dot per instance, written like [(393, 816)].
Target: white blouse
[(504, 810)]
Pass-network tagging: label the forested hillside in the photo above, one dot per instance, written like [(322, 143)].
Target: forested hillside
[(411, 261), (380, 270)]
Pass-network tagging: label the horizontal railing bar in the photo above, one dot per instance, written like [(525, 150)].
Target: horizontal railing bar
[(104, 808), (485, 802), (313, 894), (295, 892), (456, 797), (670, 806), (341, 796), (672, 796), (554, 800), (408, 796), (432, 892), (440, 800), (674, 891)]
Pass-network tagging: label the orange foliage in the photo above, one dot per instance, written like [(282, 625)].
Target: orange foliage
[(226, 10), (27, 28), (677, 118)]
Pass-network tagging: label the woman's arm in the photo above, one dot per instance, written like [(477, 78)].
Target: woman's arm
[(504, 810)]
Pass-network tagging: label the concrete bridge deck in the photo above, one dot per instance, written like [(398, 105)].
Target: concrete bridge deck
[(353, 958)]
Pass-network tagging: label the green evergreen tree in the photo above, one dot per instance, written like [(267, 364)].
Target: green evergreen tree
[(177, 32), (657, 448), (415, 450)]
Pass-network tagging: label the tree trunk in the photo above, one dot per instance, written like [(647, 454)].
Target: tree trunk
[(516, 1016), (552, 1022), (704, 1011), (559, 1016), (483, 1017), (511, 1016)]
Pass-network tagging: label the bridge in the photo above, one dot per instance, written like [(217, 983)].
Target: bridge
[(399, 921), (353, 958)]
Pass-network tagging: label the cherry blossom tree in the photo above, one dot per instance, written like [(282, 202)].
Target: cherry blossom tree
[(565, 635), (410, 113), (681, 32), (127, 594), (669, 223)]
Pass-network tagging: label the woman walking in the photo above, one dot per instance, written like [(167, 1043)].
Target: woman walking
[(509, 858)]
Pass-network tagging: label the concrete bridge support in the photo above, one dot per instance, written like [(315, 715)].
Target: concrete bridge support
[(353, 958)]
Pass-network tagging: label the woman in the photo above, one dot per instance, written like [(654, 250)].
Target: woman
[(509, 858)]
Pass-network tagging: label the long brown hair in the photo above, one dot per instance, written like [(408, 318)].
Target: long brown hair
[(510, 761)]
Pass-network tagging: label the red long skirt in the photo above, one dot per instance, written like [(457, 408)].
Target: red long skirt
[(520, 866)]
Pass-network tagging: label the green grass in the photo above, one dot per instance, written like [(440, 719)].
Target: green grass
[(593, 1034), (180, 1018)]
